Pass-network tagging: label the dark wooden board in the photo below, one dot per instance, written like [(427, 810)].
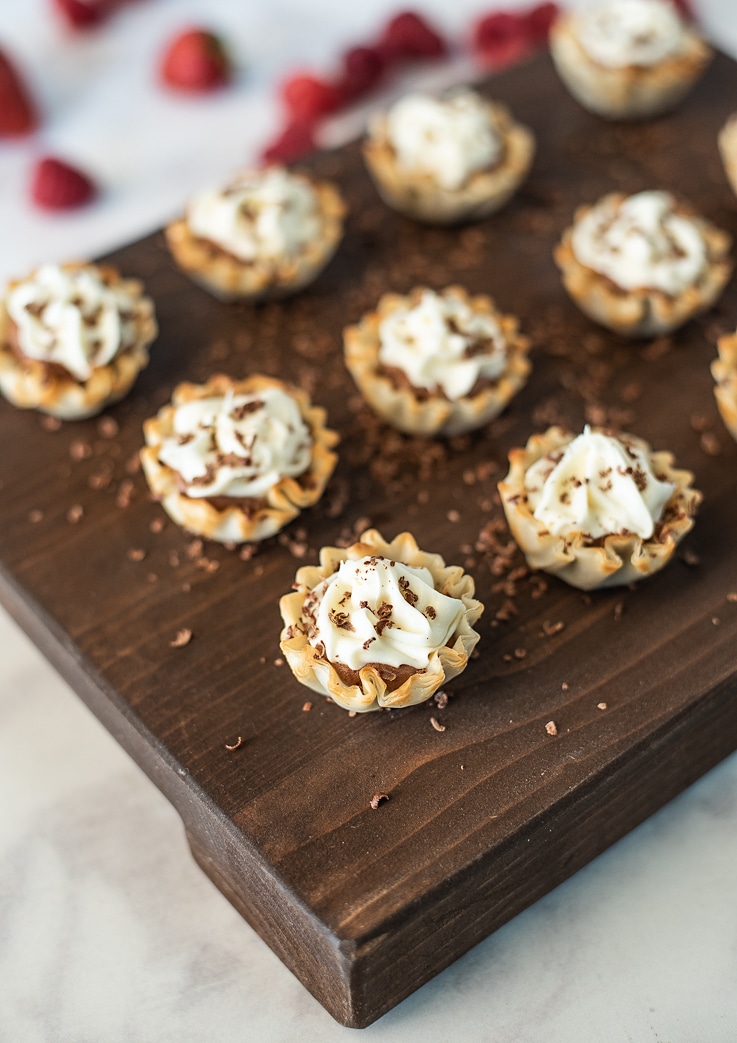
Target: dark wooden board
[(485, 817)]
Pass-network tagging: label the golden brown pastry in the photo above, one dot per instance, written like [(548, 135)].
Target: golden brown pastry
[(724, 371)]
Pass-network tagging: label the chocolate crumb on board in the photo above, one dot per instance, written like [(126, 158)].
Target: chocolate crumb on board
[(80, 450), (551, 728), (690, 557), (601, 706), (50, 423), (107, 427), (156, 525), (279, 661), (732, 596), (710, 444), (75, 514), (35, 516), (378, 798), (183, 637), (564, 686), (716, 620), (618, 611), (437, 725), (136, 554), (453, 516), (550, 629), (520, 653), (125, 494), (234, 745), (306, 707), (441, 699)]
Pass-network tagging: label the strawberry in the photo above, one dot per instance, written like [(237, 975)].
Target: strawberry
[(502, 37), (308, 98), (83, 14), (294, 142), (17, 112), (409, 35), (195, 60), (539, 21), (57, 186)]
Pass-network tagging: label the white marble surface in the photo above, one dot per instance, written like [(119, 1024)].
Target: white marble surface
[(108, 930)]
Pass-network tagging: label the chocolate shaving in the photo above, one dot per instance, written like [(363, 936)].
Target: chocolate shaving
[(551, 728), (235, 745), (341, 620), (183, 637), (377, 799), (407, 593), (437, 725)]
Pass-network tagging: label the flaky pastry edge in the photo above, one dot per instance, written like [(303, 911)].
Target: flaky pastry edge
[(724, 371)]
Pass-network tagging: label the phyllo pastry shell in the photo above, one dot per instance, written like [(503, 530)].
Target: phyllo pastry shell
[(642, 265), (595, 510), (379, 624), (266, 235), (628, 59), (724, 371), (73, 338), (437, 363), (236, 460), (728, 149), (446, 160)]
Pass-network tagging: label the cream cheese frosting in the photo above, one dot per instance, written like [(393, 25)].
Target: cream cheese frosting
[(598, 485), (72, 317), (237, 445), (375, 610), (441, 342), (263, 214), (642, 242), (619, 33), (449, 138)]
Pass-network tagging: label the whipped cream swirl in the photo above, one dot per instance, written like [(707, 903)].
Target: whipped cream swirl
[(264, 214), (619, 33), (237, 445), (449, 138), (71, 317), (374, 610), (642, 242), (442, 343), (597, 485)]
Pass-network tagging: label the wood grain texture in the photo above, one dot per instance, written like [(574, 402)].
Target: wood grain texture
[(483, 818)]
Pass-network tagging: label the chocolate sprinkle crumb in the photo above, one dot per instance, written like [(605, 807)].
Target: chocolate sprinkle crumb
[(35, 516), (732, 596), (236, 745), (306, 707), (75, 514), (550, 629), (601, 706), (618, 611), (551, 728), (184, 636), (378, 798), (437, 725), (136, 554)]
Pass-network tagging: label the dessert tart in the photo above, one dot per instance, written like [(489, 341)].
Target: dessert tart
[(73, 338), (450, 159), (628, 59), (265, 235), (437, 363), (236, 460), (379, 624), (728, 149), (643, 265), (724, 371), (595, 509)]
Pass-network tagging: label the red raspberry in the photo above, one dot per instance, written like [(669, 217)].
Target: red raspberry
[(307, 97), (17, 112), (685, 10), (195, 60), (409, 35), (83, 14), (57, 186), (294, 142), (502, 37), (539, 22), (362, 70)]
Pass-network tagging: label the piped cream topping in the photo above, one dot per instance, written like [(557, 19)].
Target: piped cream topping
[(237, 445), (449, 138), (641, 243), (597, 485), (619, 33), (442, 343), (71, 317), (263, 214), (373, 610)]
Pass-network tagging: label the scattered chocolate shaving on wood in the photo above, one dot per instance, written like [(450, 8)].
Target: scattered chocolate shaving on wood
[(564, 686), (136, 554), (35, 516), (551, 629), (656, 349), (125, 493), (520, 653), (183, 637), (732, 596), (100, 481), (700, 422), (378, 798), (601, 706), (437, 725), (279, 661), (157, 525), (151, 577), (133, 464), (50, 423), (551, 728), (716, 620), (710, 444), (247, 552), (306, 707), (75, 514), (107, 427), (690, 557), (79, 450), (453, 516), (235, 745), (173, 559), (353, 713), (441, 699), (194, 549), (618, 611)]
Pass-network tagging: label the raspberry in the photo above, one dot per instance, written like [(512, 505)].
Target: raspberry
[(195, 60), (57, 186), (17, 112), (83, 14), (685, 10), (501, 37), (362, 70), (539, 22), (409, 35), (295, 141), (308, 98)]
